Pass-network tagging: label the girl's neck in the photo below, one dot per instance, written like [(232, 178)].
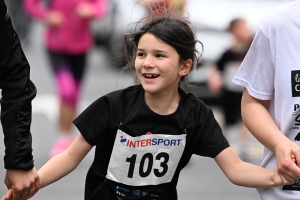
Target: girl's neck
[(163, 104)]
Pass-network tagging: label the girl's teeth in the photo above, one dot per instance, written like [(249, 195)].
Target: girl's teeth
[(150, 76)]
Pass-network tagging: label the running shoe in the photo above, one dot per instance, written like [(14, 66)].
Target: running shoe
[(60, 146)]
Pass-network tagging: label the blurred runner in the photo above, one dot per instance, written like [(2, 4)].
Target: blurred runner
[(220, 81), (68, 39)]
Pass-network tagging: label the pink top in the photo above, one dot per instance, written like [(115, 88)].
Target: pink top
[(74, 36)]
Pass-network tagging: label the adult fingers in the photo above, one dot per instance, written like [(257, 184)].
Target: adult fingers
[(16, 194), (21, 193), (37, 184), (31, 193)]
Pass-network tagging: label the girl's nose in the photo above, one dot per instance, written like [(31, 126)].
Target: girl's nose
[(148, 62)]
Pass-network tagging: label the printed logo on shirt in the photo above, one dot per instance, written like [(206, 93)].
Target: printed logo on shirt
[(295, 81), (295, 186), (149, 142), (122, 139)]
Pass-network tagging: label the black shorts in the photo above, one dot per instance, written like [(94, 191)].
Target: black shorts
[(231, 105), (75, 64)]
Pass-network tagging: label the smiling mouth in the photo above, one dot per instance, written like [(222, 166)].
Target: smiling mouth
[(150, 75)]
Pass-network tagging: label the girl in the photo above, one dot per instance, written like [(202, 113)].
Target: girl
[(68, 39), (146, 134)]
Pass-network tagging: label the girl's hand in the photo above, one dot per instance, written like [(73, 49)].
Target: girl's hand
[(54, 18), (277, 179), (286, 167), (8, 195), (84, 10)]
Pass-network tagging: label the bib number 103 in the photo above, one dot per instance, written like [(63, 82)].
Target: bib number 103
[(145, 171)]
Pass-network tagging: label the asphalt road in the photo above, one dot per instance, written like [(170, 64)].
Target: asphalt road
[(201, 179)]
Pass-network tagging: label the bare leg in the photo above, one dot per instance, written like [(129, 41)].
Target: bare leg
[(66, 116)]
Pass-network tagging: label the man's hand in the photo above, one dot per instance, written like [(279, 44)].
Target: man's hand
[(22, 184)]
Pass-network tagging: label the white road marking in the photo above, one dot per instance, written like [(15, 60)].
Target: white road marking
[(48, 104)]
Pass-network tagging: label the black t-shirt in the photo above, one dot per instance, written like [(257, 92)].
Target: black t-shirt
[(230, 56), (126, 110)]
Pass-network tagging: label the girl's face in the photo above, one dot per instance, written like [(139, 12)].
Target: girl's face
[(157, 65)]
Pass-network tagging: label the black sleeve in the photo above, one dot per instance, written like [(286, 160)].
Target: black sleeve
[(93, 122), (17, 94), (212, 140), (222, 61)]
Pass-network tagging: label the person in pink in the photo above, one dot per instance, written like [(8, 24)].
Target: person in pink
[(68, 38)]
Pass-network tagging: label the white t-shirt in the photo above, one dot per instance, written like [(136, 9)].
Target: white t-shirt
[(271, 71)]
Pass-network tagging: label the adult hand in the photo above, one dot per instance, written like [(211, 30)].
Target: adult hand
[(23, 184), (288, 169)]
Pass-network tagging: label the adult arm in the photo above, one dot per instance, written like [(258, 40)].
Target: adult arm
[(261, 124), (246, 174), (62, 164), (17, 94)]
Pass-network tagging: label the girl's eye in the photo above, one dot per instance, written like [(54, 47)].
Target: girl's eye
[(160, 55), (140, 54)]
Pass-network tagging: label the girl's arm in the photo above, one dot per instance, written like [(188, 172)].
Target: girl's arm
[(246, 174), (59, 165), (260, 123), (62, 164)]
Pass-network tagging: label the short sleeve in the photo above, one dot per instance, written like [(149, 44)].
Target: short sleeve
[(256, 72), (211, 141), (93, 122)]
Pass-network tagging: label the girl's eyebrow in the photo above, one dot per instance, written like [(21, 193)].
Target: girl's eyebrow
[(156, 50)]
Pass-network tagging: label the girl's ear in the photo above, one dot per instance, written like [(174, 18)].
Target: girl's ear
[(186, 67)]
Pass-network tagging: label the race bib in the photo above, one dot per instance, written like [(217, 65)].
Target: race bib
[(145, 160)]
